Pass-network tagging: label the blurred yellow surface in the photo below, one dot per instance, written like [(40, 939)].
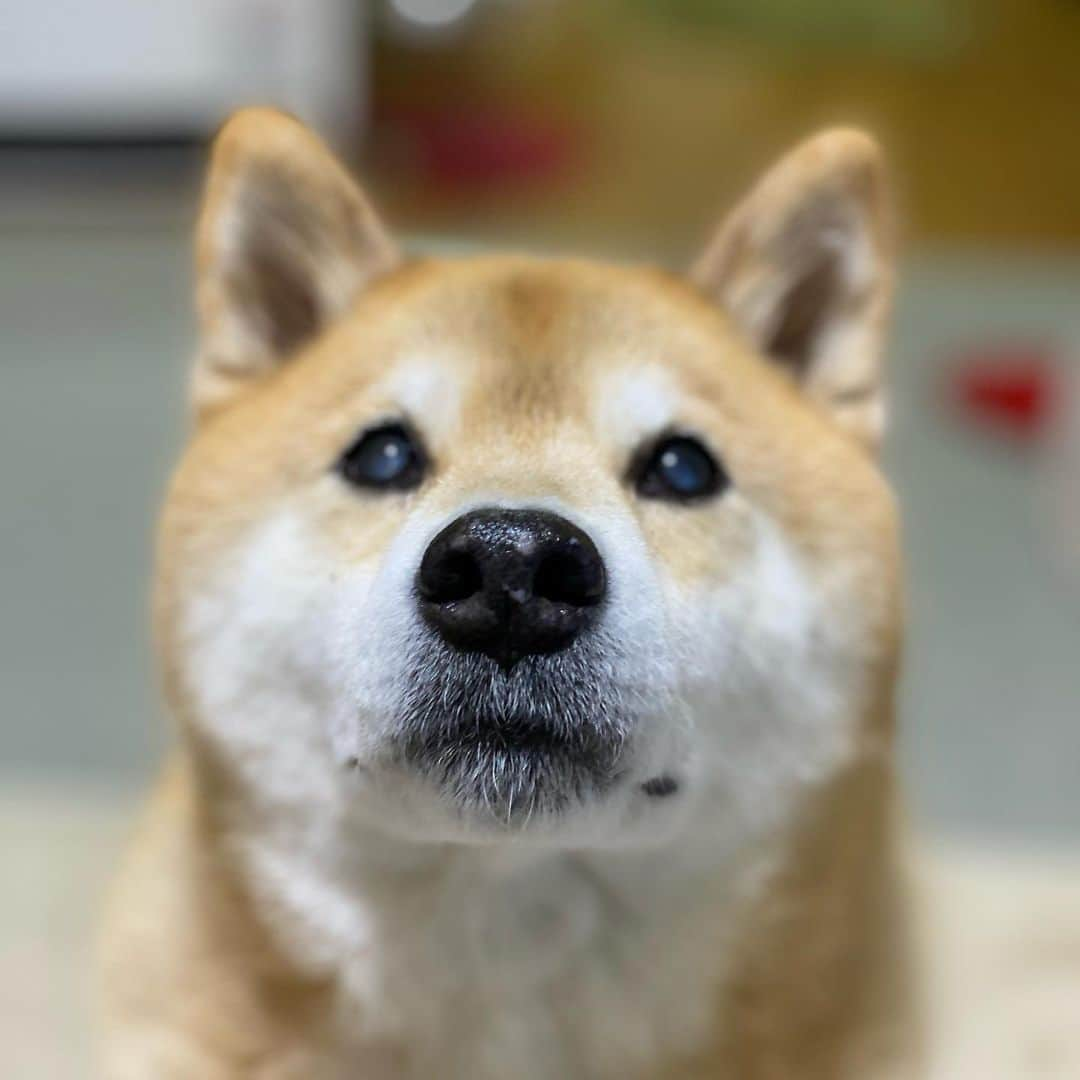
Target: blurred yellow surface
[(675, 117)]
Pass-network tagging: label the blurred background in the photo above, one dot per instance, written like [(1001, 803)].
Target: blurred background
[(621, 127)]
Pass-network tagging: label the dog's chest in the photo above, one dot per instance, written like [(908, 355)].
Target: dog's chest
[(541, 972)]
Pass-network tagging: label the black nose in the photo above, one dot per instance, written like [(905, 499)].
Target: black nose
[(510, 583)]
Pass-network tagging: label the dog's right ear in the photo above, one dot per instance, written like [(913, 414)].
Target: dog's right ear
[(286, 240)]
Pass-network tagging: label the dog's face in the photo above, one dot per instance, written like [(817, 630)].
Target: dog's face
[(505, 547)]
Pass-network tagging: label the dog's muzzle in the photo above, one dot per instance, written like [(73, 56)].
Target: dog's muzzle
[(510, 704)]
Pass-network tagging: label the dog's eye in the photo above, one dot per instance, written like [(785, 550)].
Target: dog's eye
[(384, 457), (679, 468)]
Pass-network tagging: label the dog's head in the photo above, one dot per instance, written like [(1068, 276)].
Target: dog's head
[(492, 547)]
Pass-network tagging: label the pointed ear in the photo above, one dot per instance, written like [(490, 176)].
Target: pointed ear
[(804, 268), (285, 242)]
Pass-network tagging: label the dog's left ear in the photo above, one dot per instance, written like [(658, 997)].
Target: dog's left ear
[(286, 240), (804, 267)]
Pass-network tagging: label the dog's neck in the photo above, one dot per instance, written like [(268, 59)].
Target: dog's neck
[(553, 963)]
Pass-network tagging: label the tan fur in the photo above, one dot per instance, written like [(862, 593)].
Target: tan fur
[(818, 985), (214, 996)]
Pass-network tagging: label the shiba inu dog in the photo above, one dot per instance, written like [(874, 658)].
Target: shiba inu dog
[(531, 629)]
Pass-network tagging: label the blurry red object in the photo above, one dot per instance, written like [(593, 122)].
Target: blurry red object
[(1011, 389), (460, 148)]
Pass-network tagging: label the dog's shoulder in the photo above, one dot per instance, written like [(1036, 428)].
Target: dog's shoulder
[(186, 973)]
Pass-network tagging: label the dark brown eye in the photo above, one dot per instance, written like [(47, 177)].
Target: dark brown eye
[(387, 457), (678, 468)]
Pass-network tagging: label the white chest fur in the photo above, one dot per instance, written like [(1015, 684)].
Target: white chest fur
[(536, 965)]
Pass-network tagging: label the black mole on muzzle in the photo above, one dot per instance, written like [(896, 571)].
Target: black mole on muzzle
[(510, 583)]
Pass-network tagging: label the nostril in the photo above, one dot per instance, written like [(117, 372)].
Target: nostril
[(456, 576), (570, 577)]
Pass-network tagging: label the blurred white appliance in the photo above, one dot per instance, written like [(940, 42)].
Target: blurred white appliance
[(144, 68)]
